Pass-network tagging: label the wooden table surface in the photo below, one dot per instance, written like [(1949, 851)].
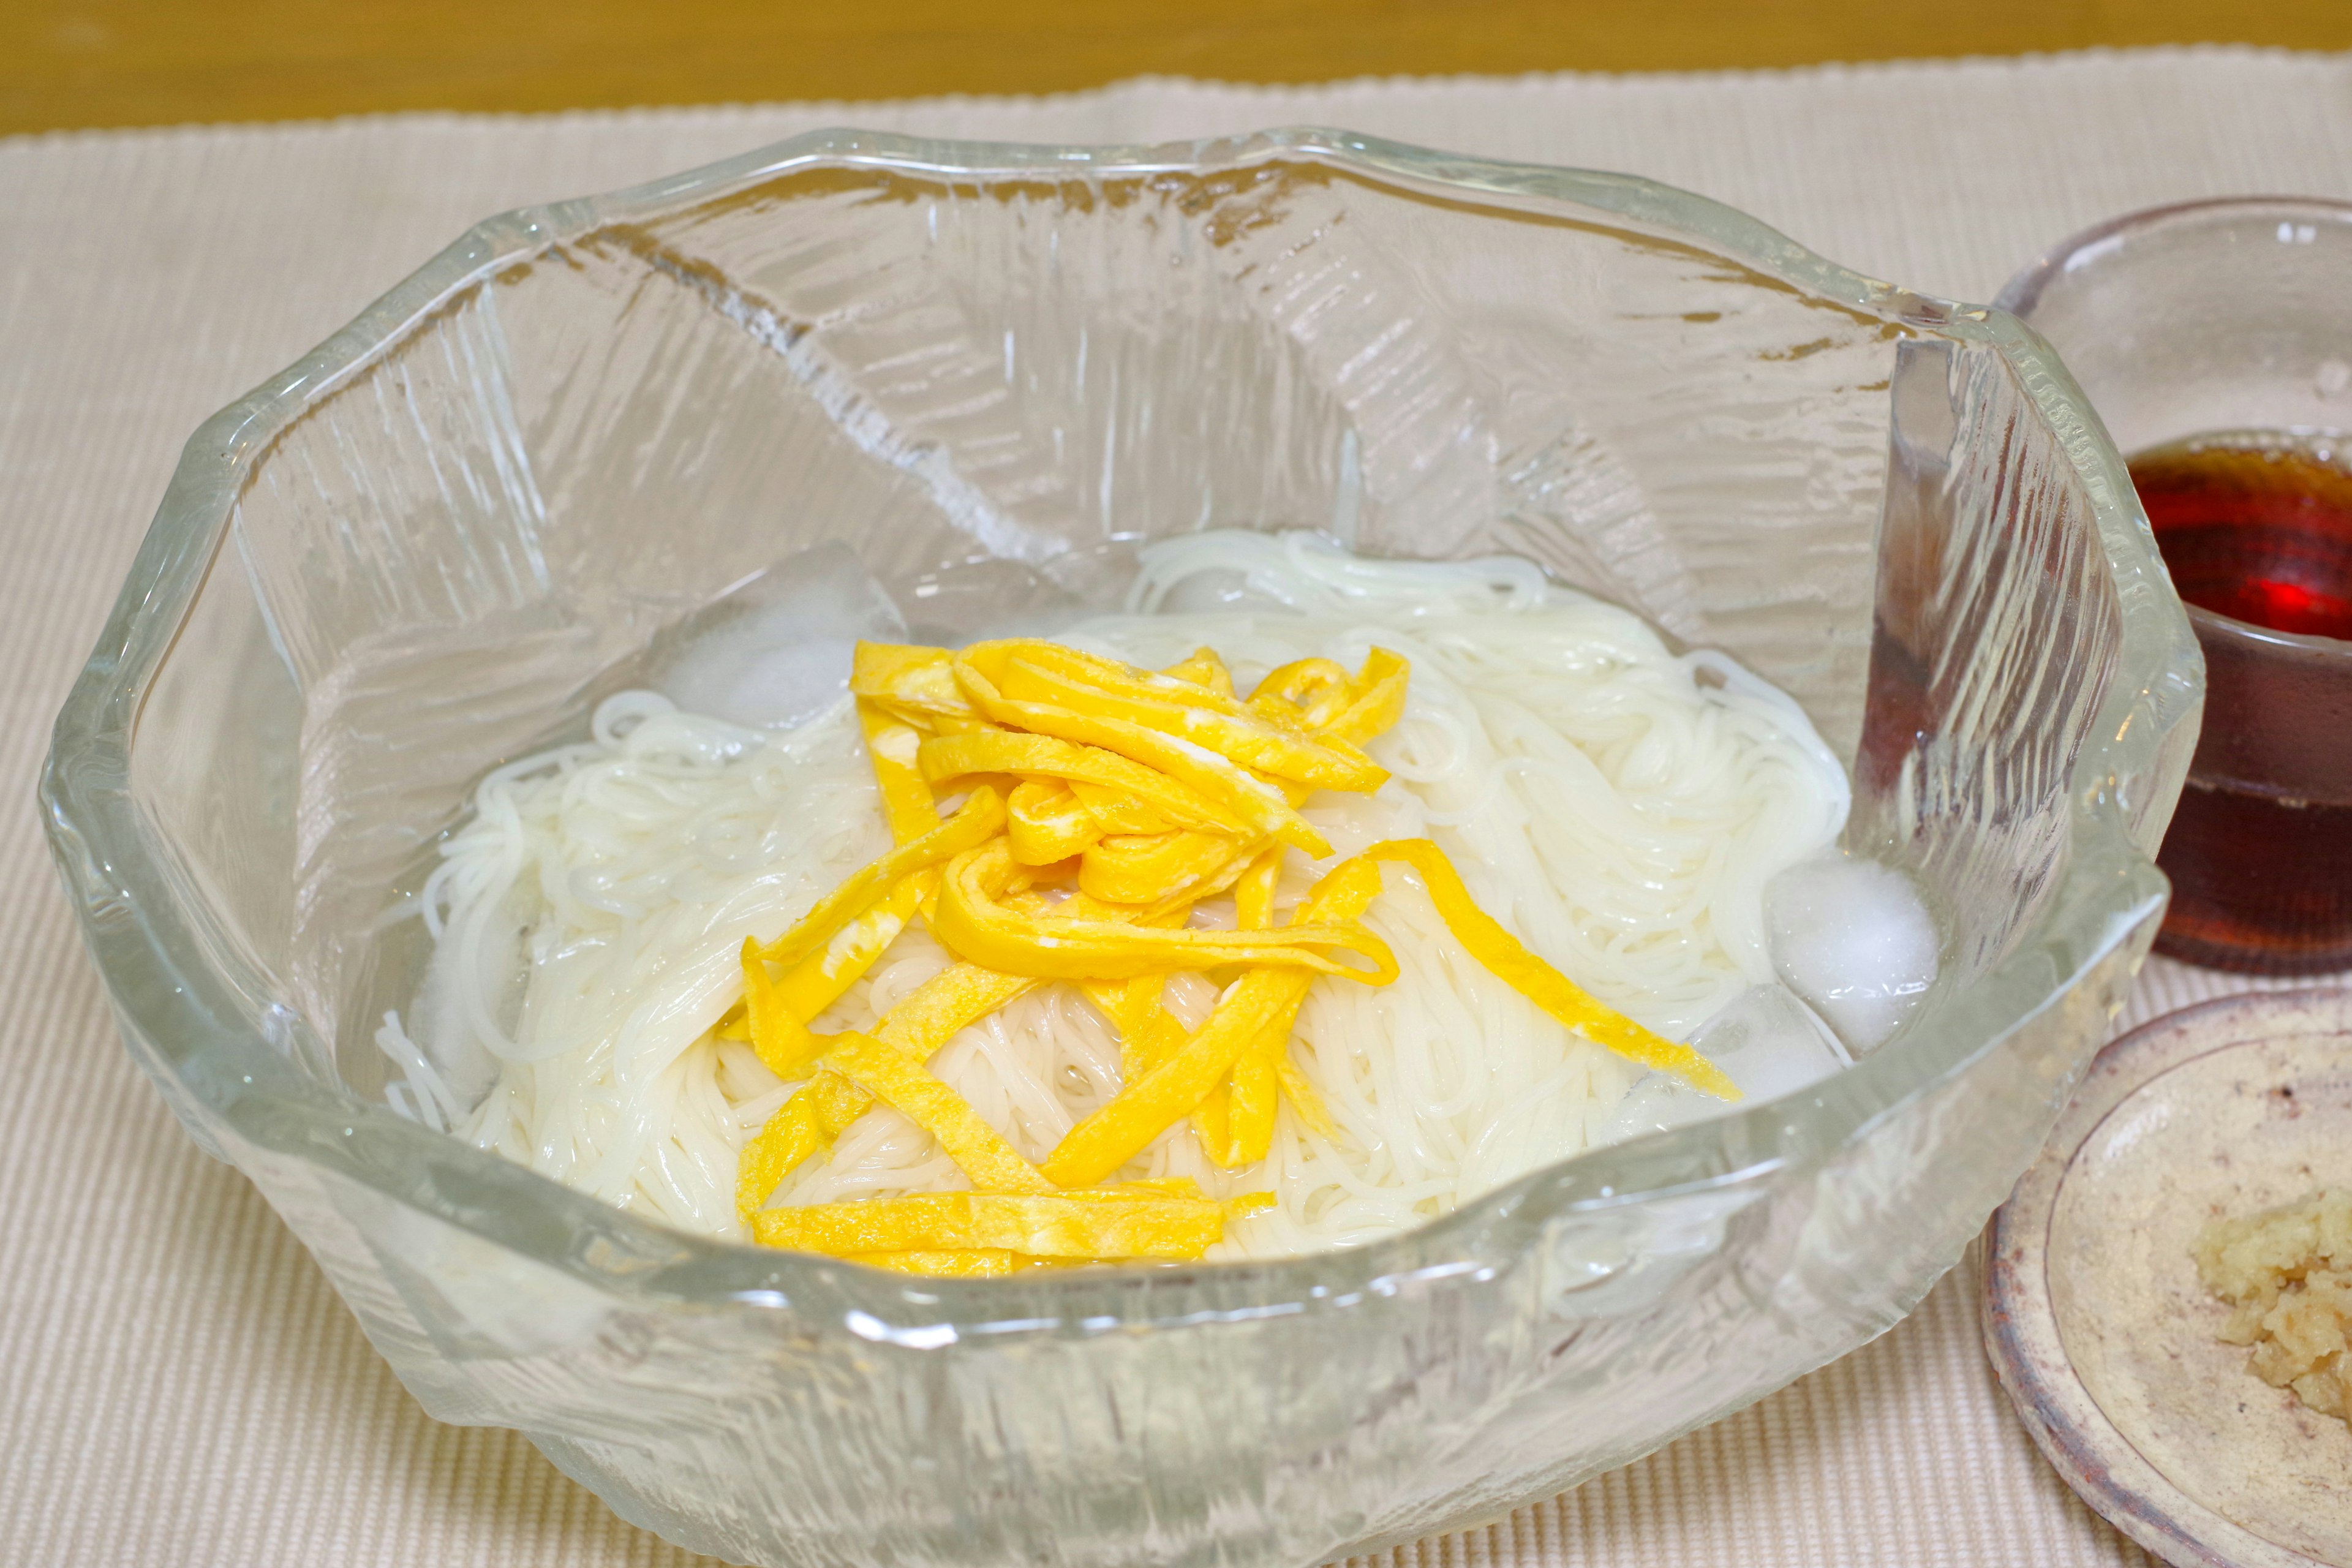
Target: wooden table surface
[(67, 63)]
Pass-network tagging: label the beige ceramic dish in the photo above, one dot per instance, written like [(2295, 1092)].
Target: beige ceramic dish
[(2094, 1317)]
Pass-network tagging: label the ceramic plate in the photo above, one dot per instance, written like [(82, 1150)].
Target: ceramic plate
[(2094, 1317)]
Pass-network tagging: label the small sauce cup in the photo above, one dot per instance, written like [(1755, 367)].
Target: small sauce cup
[(2215, 340)]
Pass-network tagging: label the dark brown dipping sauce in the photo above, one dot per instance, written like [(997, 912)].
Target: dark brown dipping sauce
[(2257, 527)]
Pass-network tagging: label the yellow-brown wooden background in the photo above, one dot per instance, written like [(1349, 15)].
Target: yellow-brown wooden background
[(145, 62)]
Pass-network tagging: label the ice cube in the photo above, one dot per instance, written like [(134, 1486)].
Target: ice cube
[(1852, 937), (1765, 1039), (775, 652)]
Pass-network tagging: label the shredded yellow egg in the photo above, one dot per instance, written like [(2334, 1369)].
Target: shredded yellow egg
[(1100, 804)]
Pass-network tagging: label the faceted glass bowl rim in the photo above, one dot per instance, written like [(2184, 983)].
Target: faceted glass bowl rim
[(173, 979), (2023, 291)]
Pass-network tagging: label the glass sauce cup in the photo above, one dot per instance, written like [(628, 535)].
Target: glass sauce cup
[(2215, 340)]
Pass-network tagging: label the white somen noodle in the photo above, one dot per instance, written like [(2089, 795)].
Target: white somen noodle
[(1617, 806)]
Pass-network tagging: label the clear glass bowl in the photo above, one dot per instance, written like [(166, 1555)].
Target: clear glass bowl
[(989, 371)]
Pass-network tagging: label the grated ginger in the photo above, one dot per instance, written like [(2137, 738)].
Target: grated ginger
[(2288, 1271)]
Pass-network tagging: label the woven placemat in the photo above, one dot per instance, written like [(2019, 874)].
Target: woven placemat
[(177, 1384)]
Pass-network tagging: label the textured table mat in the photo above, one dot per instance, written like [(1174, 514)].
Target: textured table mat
[(177, 1384)]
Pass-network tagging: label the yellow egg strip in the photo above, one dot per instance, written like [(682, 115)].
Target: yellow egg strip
[(1097, 676), (1539, 982), (1237, 794), (1247, 1113), (963, 993), (1227, 1120), (1377, 700), (1150, 1105), (822, 1108), (973, 924), (923, 1021), (894, 747), (1319, 695), (1117, 812), (900, 1078), (810, 1121), (1185, 712), (909, 678), (1253, 893), (972, 1263), (1117, 1131), (1303, 1097), (1080, 1226), (1135, 869), (947, 758), (1239, 1127), (1212, 1123), (1165, 790), (1156, 1186), (1308, 693), (1046, 823), (1250, 1098), (979, 820), (1147, 1030), (951, 1001), (819, 980), (777, 1033), (1173, 702), (1203, 668)]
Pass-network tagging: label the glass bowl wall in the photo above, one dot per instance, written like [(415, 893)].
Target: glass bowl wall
[(990, 372)]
